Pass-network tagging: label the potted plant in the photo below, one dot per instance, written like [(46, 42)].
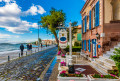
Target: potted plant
[(63, 63), (63, 55), (94, 57), (98, 77), (58, 55), (77, 76)]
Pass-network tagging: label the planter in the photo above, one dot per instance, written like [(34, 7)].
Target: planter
[(60, 68), (90, 78), (84, 78), (58, 56)]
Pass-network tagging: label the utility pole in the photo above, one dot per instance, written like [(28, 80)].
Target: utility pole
[(38, 36)]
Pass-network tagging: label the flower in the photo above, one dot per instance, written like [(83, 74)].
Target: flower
[(59, 52), (63, 72), (101, 75), (63, 63), (77, 73), (112, 75), (63, 55)]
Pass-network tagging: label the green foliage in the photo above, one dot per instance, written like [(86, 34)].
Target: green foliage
[(40, 40), (52, 21), (77, 43), (104, 76), (116, 58), (74, 49)]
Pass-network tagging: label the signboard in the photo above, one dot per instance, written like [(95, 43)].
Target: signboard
[(63, 38)]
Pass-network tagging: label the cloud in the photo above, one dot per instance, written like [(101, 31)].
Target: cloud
[(6, 36), (34, 10), (10, 17), (85, 0)]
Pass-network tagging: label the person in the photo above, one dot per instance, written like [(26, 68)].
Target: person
[(46, 44), (31, 47), (28, 47), (21, 48), (41, 45)]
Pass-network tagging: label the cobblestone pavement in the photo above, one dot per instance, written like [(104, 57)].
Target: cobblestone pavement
[(27, 68)]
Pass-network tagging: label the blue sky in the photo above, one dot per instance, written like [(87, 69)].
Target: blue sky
[(17, 25)]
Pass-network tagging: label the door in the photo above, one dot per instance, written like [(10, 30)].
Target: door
[(94, 47)]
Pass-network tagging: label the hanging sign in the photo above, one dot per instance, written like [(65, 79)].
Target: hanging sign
[(63, 38)]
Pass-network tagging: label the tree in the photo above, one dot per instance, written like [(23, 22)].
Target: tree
[(40, 40), (52, 21)]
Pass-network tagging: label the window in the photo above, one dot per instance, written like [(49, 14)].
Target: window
[(87, 22), (94, 17)]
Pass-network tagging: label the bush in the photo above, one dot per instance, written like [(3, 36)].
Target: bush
[(116, 58), (77, 43), (74, 49)]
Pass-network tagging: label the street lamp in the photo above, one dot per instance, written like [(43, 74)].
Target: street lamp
[(98, 36), (38, 32)]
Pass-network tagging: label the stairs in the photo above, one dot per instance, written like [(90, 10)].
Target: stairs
[(104, 64)]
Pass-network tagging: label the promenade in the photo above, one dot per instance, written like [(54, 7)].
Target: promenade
[(28, 67), (15, 54)]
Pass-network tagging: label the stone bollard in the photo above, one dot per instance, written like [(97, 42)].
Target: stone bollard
[(19, 55), (26, 53), (8, 58)]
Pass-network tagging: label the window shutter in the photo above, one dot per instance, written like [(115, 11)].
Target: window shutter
[(82, 45), (85, 45), (97, 14), (82, 26), (85, 23), (89, 46), (90, 20)]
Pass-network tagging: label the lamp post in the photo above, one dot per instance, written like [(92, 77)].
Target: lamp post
[(38, 31), (38, 36), (70, 43)]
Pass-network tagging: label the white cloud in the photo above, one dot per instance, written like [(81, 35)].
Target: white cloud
[(6, 36), (34, 10), (11, 21)]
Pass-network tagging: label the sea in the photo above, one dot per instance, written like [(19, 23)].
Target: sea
[(7, 47)]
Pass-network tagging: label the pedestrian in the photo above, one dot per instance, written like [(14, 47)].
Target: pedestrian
[(21, 48), (41, 45), (46, 44), (31, 47), (28, 47)]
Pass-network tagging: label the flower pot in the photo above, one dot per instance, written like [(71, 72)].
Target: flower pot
[(84, 78), (90, 78)]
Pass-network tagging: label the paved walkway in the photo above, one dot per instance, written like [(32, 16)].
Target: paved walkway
[(15, 54), (27, 68)]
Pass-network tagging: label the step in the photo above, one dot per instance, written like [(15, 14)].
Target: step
[(97, 69), (110, 53), (108, 60), (109, 65), (105, 69), (116, 46)]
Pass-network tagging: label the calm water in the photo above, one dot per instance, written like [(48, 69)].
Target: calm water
[(11, 47)]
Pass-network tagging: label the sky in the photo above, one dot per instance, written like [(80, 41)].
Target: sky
[(18, 18)]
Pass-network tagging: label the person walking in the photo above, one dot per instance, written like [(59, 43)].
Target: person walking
[(28, 47), (31, 47), (21, 48)]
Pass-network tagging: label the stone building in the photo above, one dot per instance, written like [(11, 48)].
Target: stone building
[(100, 27)]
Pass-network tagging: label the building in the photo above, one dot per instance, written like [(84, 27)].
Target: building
[(100, 27), (77, 35), (48, 42)]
